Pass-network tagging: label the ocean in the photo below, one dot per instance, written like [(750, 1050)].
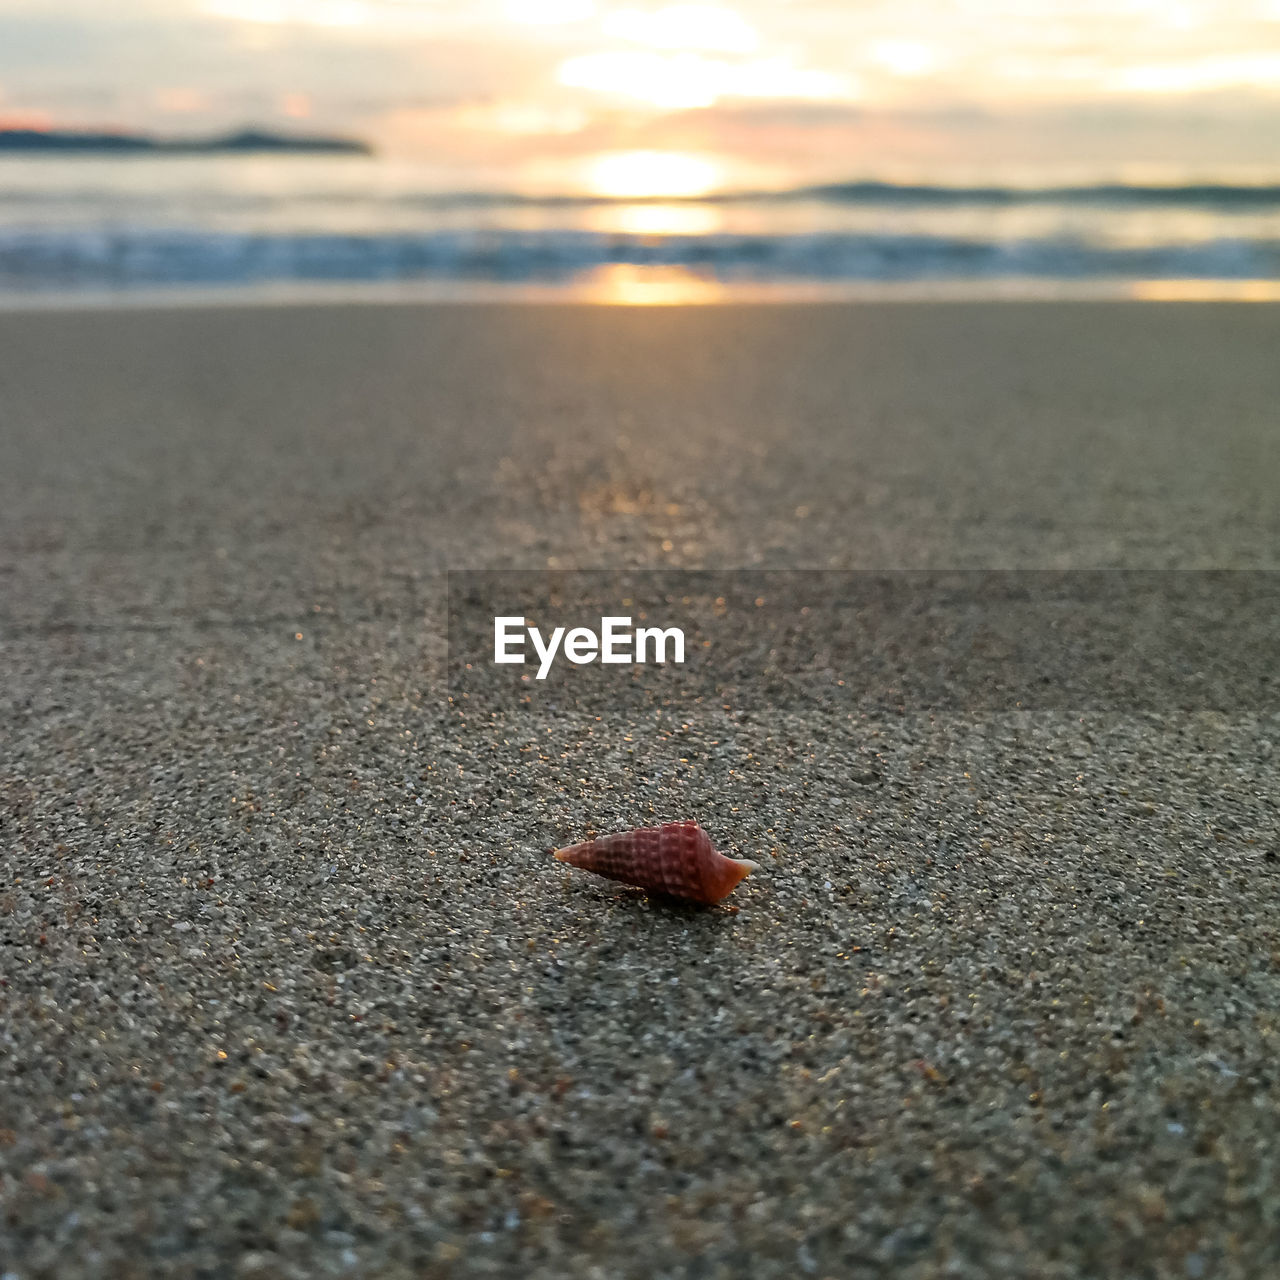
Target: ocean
[(233, 226)]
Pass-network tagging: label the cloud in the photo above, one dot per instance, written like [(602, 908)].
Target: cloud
[(687, 79), (837, 141), (117, 70), (820, 85)]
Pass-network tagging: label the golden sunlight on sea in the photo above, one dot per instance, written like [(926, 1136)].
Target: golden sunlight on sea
[(1206, 290), (654, 219), (627, 284)]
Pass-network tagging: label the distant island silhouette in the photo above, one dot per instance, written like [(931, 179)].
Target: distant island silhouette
[(242, 141)]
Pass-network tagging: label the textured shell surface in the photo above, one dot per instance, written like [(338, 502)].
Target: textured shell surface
[(677, 859)]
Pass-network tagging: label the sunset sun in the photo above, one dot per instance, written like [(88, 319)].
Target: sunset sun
[(642, 174)]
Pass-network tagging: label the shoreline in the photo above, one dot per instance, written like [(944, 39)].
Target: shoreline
[(640, 289)]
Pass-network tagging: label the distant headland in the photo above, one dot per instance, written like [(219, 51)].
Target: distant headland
[(241, 142)]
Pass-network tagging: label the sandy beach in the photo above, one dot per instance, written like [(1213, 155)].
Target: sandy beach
[(290, 985)]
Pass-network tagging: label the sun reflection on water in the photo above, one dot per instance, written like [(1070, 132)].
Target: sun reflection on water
[(630, 285), (654, 219), (1206, 290)]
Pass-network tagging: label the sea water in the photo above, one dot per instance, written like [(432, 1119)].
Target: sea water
[(231, 225)]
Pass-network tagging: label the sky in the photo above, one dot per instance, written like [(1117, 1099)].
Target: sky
[(682, 96)]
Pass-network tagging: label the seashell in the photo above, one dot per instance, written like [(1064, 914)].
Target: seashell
[(676, 858)]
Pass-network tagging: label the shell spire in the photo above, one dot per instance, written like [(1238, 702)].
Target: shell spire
[(676, 858)]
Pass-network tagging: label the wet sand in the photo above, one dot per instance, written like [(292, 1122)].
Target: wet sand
[(292, 986)]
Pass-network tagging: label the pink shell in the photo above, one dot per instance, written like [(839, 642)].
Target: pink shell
[(676, 858)]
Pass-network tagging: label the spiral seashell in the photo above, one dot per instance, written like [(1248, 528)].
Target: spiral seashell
[(676, 858)]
